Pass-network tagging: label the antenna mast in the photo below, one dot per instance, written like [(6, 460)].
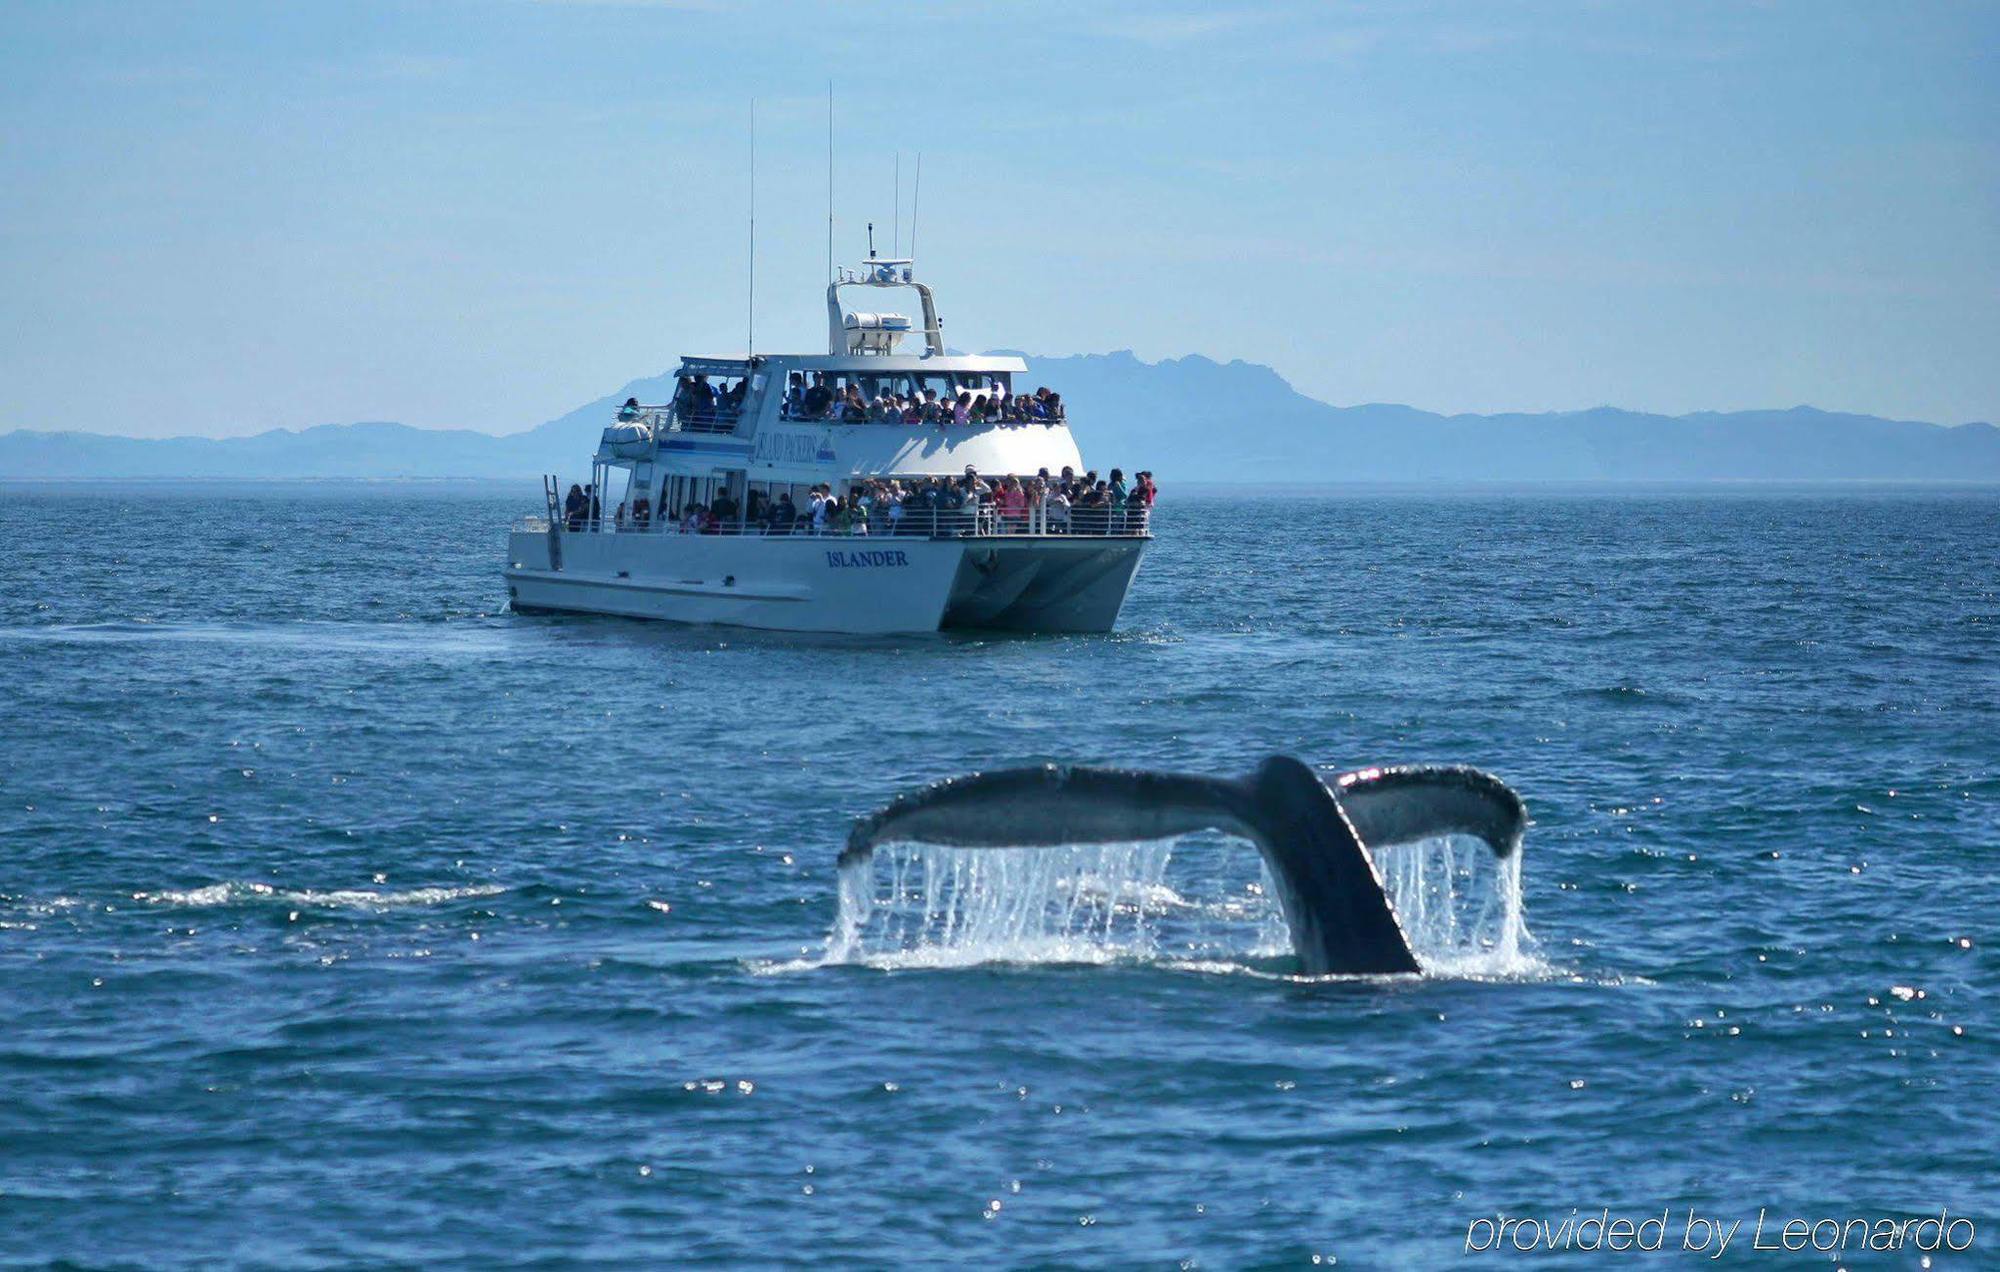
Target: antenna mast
[(750, 347), (915, 196), (896, 219), (829, 181)]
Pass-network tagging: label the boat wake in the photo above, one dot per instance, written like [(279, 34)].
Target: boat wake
[(234, 894), (1197, 903)]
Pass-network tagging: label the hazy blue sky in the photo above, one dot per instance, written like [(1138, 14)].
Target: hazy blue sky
[(222, 217)]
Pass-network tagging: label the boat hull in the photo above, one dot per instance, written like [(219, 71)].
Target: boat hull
[(871, 585)]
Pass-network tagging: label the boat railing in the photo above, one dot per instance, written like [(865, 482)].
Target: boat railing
[(797, 415), (665, 418), (1098, 523)]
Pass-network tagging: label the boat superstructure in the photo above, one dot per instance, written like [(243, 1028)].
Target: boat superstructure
[(708, 509)]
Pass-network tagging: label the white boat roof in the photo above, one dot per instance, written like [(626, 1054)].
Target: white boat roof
[(865, 364)]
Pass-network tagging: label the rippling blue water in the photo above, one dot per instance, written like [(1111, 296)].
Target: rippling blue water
[(347, 918)]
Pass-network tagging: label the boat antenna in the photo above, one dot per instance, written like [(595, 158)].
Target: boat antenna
[(896, 218), (871, 240), (915, 196), (829, 181), (750, 351)]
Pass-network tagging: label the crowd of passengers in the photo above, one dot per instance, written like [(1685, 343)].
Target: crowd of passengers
[(969, 504), (821, 400), (696, 399)]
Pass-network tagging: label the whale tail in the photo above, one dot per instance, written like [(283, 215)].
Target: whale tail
[(1314, 837)]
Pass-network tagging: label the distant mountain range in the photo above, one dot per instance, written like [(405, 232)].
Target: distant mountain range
[(1188, 419)]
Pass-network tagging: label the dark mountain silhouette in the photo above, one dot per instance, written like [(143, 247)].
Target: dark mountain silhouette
[(1188, 419)]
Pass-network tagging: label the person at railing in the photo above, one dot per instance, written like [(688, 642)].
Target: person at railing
[(628, 412), (642, 513), (961, 410), (1137, 510), (575, 508), (1090, 512), (834, 518), (951, 505), (596, 510), (782, 516), (920, 508), (724, 509), (1013, 507), (795, 395), (1056, 509)]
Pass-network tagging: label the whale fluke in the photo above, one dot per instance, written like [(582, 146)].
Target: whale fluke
[(1314, 836)]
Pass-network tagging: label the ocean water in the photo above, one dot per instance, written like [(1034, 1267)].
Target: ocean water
[(349, 919)]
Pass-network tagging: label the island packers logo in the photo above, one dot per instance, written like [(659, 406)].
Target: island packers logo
[(853, 560), (792, 446)]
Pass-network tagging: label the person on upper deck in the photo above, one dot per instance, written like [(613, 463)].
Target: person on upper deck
[(575, 508), (961, 410), (817, 398), (629, 412), (795, 395)]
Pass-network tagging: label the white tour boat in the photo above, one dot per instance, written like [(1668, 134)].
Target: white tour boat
[(687, 533)]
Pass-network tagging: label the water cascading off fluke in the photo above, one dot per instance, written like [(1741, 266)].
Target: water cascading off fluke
[(1363, 873)]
